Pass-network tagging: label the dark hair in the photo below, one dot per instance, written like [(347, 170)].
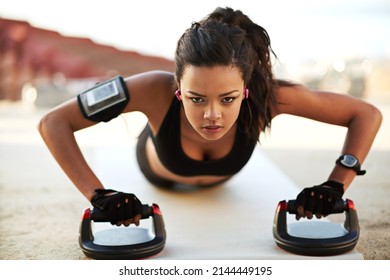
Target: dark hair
[(227, 37)]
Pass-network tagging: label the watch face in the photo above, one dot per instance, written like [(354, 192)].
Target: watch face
[(349, 161)]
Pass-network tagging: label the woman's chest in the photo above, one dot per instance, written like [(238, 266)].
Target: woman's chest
[(197, 148)]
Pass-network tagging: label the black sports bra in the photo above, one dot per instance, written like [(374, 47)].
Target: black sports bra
[(170, 152)]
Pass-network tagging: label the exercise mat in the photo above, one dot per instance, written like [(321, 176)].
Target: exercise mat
[(231, 221)]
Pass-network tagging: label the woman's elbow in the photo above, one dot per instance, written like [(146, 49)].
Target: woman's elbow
[(45, 123), (375, 116)]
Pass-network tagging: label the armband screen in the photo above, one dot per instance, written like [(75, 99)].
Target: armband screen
[(104, 101)]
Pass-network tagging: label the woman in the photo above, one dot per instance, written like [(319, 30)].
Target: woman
[(205, 119)]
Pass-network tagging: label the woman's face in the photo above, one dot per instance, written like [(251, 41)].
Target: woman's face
[(212, 99)]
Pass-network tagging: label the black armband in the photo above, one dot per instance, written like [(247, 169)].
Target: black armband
[(105, 101)]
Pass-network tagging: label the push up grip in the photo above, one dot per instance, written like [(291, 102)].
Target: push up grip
[(326, 246), (122, 252)]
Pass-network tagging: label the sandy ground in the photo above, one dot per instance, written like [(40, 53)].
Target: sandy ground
[(40, 209)]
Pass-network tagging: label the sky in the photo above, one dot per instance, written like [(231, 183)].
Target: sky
[(320, 29)]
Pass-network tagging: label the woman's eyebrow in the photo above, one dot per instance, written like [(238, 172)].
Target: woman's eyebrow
[(221, 95)]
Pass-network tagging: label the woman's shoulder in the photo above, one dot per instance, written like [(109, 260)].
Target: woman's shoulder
[(151, 93), (288, 94), (151, 80), (149, 89)]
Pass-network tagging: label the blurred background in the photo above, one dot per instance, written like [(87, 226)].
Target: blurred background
[(50, 50)]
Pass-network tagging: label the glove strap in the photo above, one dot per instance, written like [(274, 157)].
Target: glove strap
[(100, 193), (104, 191), (334, 184)]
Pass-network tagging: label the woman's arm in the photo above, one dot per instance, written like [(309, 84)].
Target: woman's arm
[(362, 121), (57, 130), (360, 118), (149, 93)]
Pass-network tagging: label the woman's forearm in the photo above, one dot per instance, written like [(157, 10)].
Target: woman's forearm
[(60, 140), (360, 136)]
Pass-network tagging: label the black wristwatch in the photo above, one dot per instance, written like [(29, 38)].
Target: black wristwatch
[(351, 162)]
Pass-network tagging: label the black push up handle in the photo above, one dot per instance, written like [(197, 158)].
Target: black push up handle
[(316, 246), (122, 252)]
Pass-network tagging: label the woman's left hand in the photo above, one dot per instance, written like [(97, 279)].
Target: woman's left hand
[(318, 200)]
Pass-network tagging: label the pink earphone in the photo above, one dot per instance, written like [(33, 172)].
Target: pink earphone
[(178, 94), (246, 91)]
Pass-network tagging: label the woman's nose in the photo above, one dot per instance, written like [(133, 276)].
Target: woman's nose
[(212, 113)]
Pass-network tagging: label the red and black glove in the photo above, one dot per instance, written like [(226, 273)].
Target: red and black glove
[(117, 206), (319, 200)]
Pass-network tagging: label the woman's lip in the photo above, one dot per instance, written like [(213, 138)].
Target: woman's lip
[(212, 128)]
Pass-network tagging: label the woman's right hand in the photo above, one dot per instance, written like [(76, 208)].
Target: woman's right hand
[(119, 207)]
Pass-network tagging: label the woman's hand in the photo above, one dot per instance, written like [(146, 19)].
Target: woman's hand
[(120, 208), (319, 200)]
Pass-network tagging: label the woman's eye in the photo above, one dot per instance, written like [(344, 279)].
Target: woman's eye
[(228, 100), (197, 99)]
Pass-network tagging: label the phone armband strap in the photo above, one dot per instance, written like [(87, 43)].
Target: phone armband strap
[(105, 101)]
